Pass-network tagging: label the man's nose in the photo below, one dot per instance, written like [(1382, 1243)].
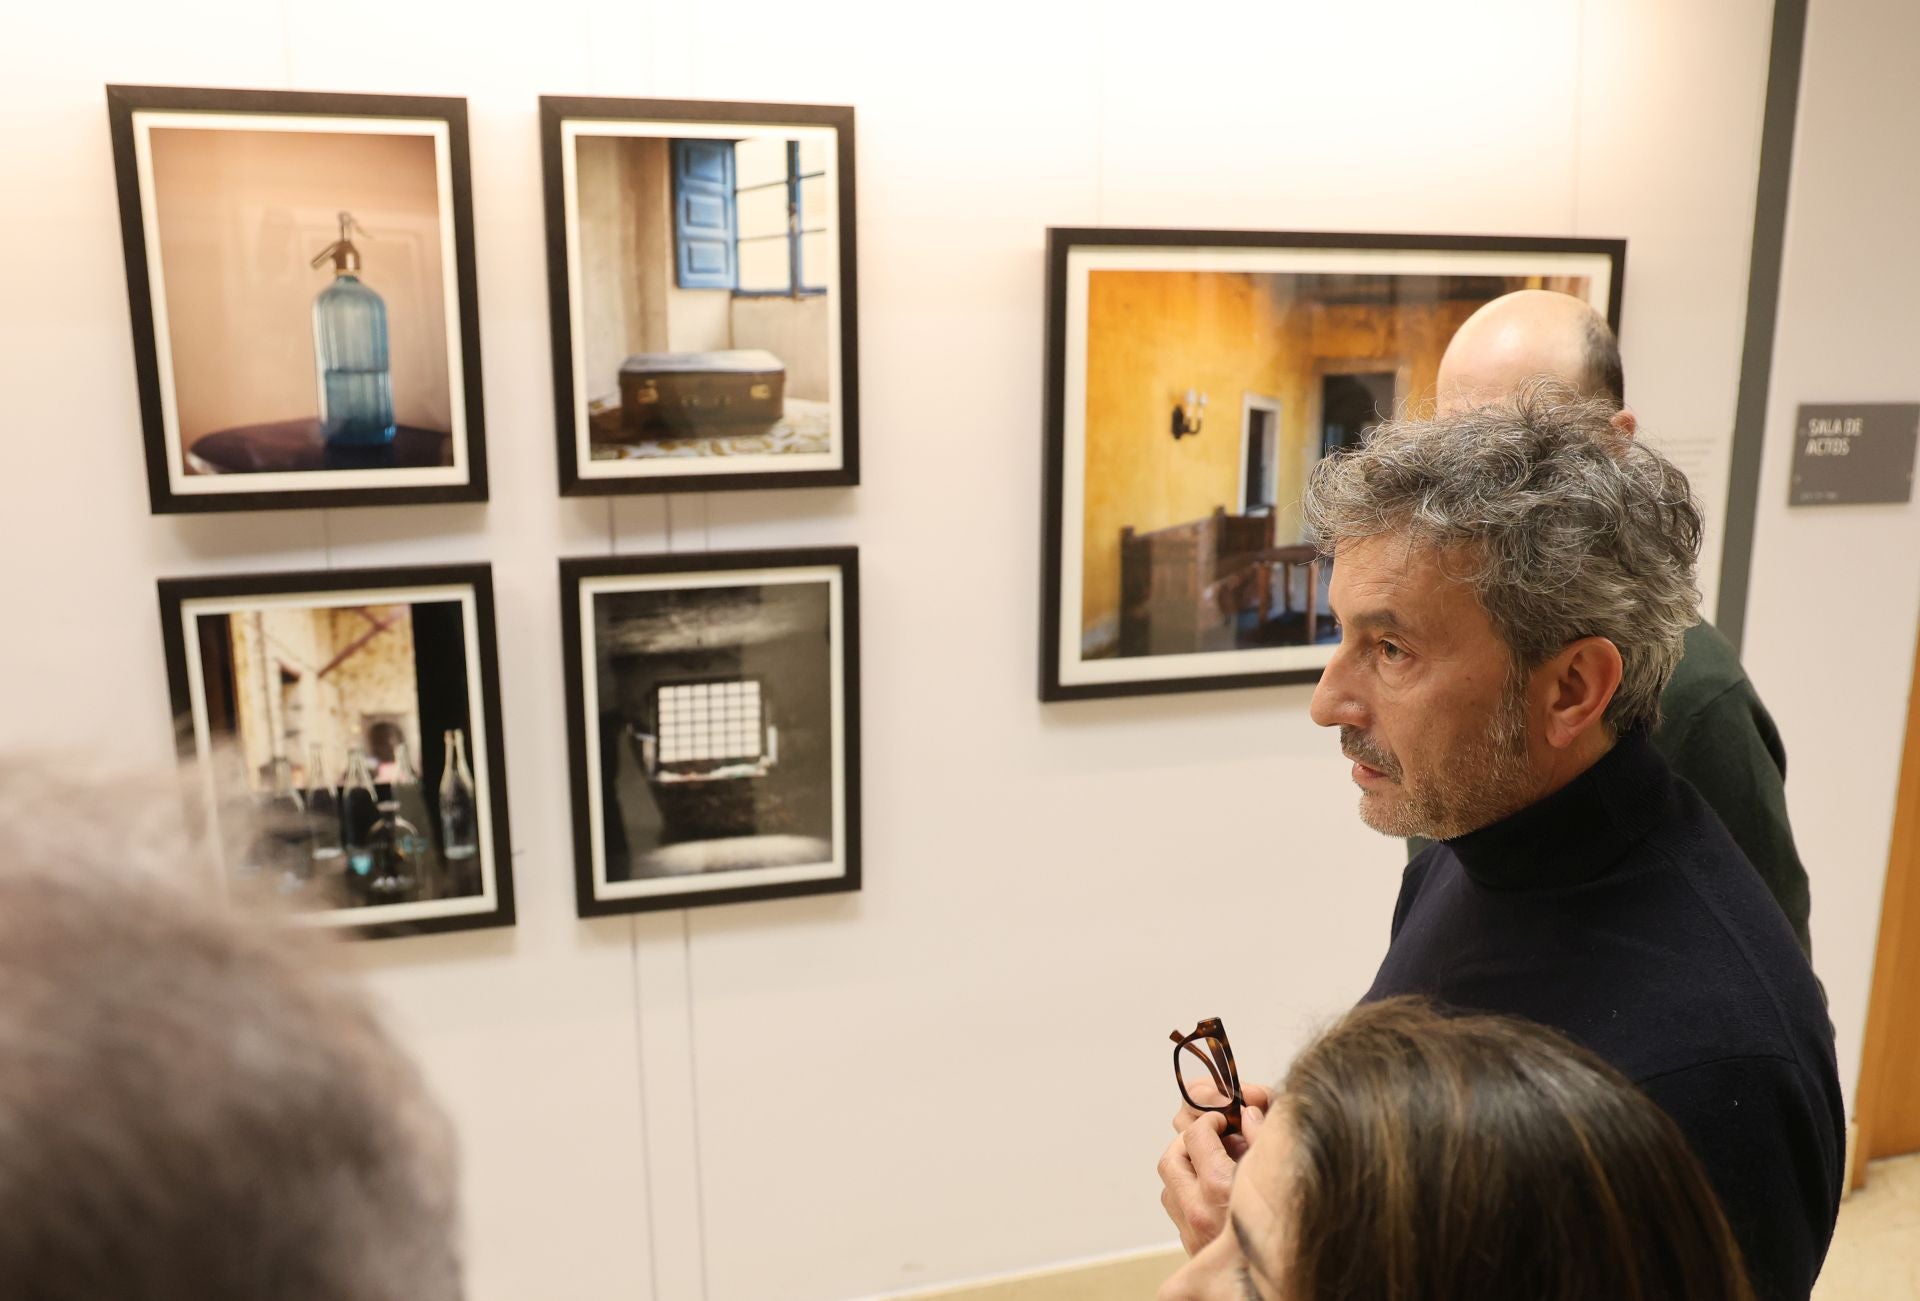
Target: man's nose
[(1334, 702)]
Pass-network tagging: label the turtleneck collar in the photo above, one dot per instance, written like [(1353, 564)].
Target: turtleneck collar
[(1581, 830)]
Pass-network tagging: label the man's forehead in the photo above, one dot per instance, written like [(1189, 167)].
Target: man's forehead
[(1393, 578)]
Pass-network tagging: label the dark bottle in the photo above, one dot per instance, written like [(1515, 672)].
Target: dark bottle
[(412, 805), (360, 810), (396, 846)]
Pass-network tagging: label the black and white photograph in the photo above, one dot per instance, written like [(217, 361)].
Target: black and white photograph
[(701, 277), (344, 729), (714, 719), (1194, 379), (301, 277)]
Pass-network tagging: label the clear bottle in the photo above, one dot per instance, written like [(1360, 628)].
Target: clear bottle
[(350, 350), (395, 844), (413, 810), (459, 819), (285, 825), (324, 850), (360, 808)]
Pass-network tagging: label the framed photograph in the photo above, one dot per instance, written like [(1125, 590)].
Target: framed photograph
[(300, 272), (345, 729), (1194, 378), (713, 709), (700, 260)]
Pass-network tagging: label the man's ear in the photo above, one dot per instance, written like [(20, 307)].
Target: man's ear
[(1625, 422), (1580, 683)]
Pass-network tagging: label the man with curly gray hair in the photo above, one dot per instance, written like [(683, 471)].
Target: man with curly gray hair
[(1514, 584)]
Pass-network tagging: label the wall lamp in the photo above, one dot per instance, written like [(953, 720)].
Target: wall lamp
[(1187, 417)]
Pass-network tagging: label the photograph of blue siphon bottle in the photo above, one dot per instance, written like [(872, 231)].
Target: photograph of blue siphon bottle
[(350, 349)]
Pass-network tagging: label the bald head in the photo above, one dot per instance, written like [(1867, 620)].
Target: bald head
[(1520, 335)]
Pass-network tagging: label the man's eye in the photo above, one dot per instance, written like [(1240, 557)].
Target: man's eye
[(1390, 652)]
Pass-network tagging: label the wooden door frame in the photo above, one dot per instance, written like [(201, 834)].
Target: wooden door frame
[(1898, 919)]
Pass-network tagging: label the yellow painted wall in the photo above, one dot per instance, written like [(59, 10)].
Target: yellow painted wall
[(1151, 336), (1154, 334)]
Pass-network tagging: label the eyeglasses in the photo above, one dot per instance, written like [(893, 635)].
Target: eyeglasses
[(1208, 1044)]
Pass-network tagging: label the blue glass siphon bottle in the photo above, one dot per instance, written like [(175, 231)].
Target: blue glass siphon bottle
[(350, 350)]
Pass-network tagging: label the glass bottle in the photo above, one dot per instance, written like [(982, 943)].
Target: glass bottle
[(459, 818), (412, 805), (284, 822), (360, 810), (277, 829), (324, 849), (395, 845), (350, 350)]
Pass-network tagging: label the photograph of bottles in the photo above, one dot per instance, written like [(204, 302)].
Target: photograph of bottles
[(343, 721), (370, 842), (304, 307)]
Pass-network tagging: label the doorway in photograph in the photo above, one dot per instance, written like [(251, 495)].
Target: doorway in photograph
[(1351, 403)]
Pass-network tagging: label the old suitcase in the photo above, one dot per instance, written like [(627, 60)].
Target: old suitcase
[(700, 394)]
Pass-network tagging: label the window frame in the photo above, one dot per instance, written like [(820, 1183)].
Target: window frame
[(796, 229)]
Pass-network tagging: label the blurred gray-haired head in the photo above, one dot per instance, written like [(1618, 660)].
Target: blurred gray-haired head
[(193, 1103), (1565, 527)]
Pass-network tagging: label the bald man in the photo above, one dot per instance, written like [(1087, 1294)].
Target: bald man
[(1713, 731)]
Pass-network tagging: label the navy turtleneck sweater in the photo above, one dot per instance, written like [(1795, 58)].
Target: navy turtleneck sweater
[(1619, 911)]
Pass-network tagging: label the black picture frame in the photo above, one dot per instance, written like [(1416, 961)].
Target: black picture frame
[(270, 461), (469, 690), (1115, 655), (646, 473), (829, 727)]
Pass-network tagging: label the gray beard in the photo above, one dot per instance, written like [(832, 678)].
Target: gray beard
[(1486, 781)]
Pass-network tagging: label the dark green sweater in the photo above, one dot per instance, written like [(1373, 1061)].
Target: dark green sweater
[(1715, 733)]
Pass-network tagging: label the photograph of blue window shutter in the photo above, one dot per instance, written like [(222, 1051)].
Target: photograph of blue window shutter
[(703, 215)]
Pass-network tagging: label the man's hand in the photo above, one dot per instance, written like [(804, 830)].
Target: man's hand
[(1196, 1170)]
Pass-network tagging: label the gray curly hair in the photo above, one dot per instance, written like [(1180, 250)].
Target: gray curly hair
[(193, 1101), (1565, 527)]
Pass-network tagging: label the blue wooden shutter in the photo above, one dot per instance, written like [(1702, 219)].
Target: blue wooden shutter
[(703, 220)]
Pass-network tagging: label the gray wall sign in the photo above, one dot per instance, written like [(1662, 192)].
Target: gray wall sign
[(1854, 453)]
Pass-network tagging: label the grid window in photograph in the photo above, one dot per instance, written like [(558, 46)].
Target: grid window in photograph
[(710, 722)]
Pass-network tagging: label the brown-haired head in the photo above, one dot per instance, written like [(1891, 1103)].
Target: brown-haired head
[(1446, 1158)]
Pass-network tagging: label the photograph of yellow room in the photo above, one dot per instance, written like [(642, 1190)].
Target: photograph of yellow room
[(1207, 389)]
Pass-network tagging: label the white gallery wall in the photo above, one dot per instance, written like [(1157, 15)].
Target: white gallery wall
[(961, 1070), (1835, 599)]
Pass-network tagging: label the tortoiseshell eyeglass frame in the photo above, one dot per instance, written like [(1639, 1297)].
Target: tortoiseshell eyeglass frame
[(1217, 1057)]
